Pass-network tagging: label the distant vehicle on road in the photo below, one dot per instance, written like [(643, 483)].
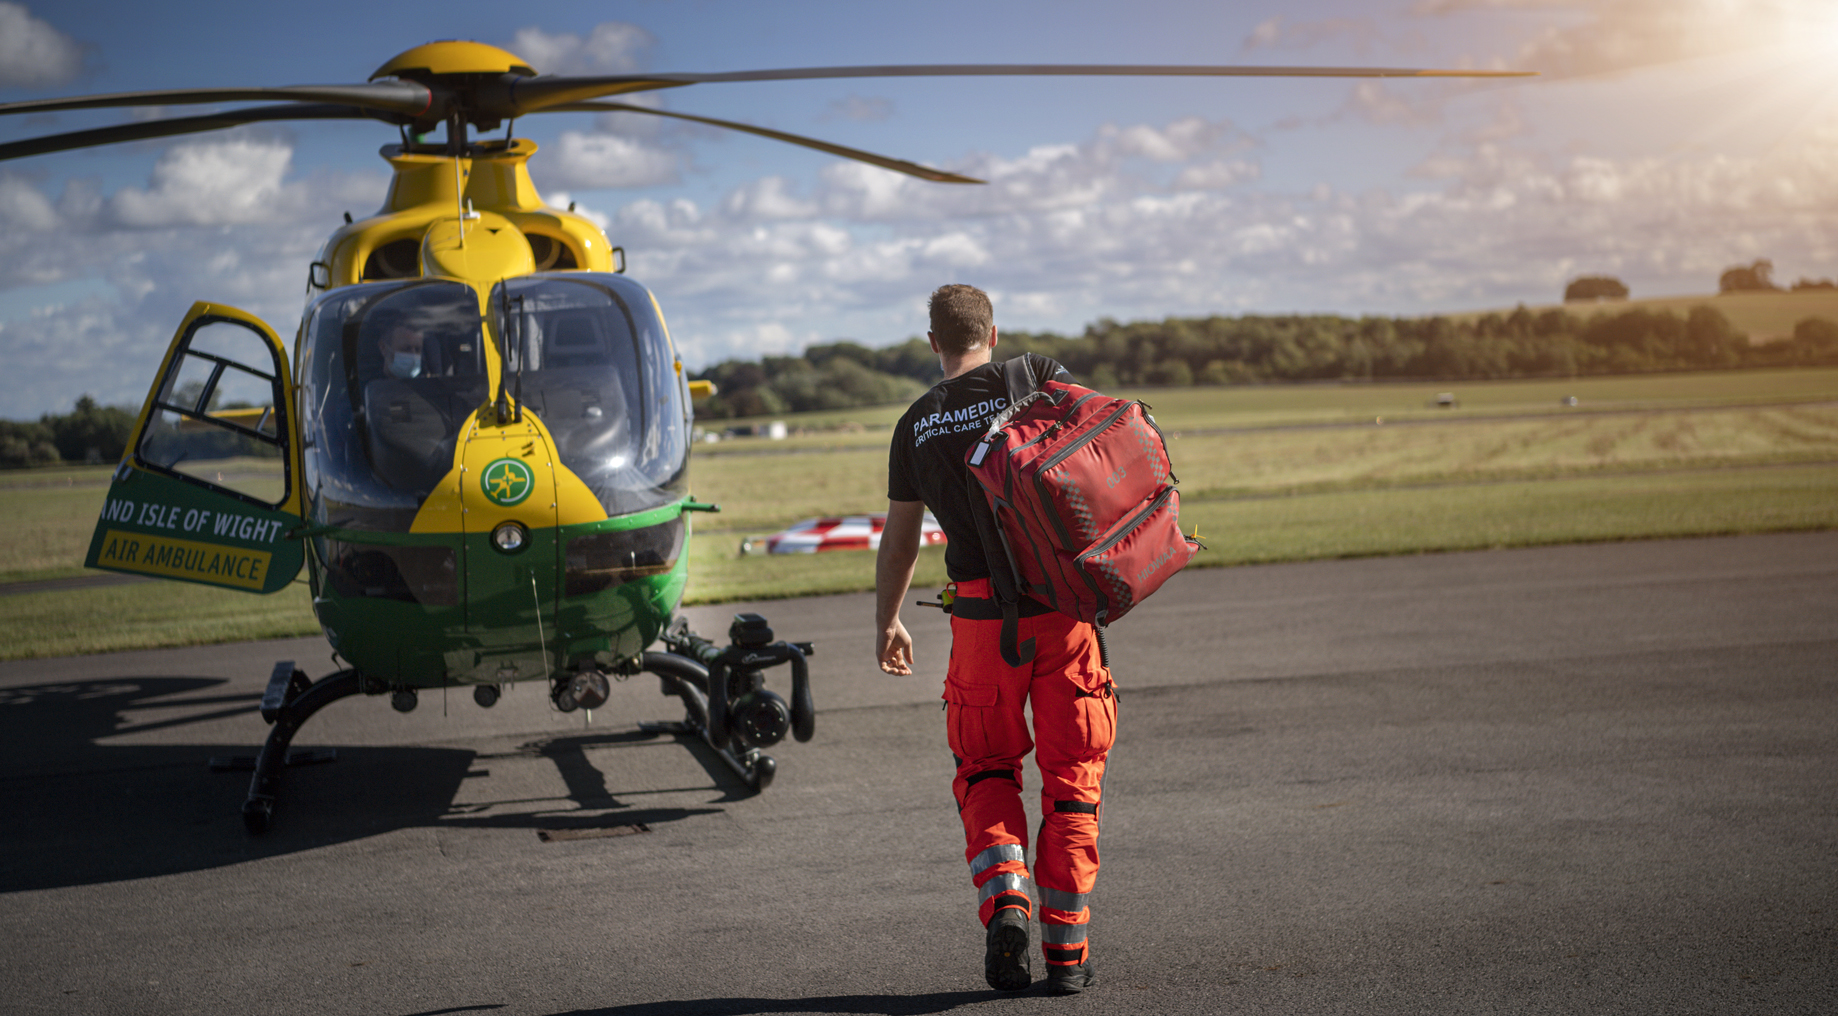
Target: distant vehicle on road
[(835, 532)]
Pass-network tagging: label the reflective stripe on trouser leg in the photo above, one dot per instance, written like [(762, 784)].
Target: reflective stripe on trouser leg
[(1006, 889), (1000, 875), (1064, 919), (986, 727), (1075, 725), (996, 855)]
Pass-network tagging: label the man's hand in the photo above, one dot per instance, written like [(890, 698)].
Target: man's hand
[(895, 650)]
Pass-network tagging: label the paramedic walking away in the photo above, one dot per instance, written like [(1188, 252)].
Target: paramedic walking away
[(1074, 705)]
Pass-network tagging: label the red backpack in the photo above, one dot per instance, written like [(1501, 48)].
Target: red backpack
[(1082, 502)]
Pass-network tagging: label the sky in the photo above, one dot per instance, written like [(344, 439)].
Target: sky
[(1662, 142)]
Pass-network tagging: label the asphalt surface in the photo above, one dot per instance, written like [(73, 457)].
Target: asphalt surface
[(1581, 779)]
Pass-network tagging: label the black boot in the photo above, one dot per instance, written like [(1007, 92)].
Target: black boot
[(1070, 979), (1005, 955)]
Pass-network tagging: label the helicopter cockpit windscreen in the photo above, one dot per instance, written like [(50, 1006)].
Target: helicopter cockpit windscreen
[(391, 371), (589, 356)]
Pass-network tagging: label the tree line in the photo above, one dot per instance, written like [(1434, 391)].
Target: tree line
[(1176, 351), (1756, 277), (88, 433), (1274, 348), (94, 433)]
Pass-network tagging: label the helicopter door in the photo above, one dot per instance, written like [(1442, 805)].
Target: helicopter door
[(207, 491)]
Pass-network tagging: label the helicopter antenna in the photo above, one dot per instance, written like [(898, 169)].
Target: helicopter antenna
[(523, 351), (459, 202), (504, 350), (456, 146)]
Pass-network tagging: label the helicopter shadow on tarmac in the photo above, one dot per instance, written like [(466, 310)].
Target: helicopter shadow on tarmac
[(77, 811), (865, 1005), (595, 807)]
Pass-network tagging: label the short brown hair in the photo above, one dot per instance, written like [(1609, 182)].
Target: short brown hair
[(961, 318)]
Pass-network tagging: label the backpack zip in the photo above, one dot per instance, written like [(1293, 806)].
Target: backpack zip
[(1155, 504), (1091, 582)]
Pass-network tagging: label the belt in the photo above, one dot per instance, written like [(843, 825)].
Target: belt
[(975, 602), (982, 589)]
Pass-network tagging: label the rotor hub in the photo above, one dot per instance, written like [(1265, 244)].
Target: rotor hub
[(431, 61)]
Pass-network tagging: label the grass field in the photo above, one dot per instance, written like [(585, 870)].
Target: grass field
[(1276, 405), (1268, 473)]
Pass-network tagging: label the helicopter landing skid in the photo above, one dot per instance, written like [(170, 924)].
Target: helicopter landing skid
[(291, 699)]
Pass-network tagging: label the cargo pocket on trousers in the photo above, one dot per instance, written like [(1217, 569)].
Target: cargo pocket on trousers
[(967, 709), (1095, 704)]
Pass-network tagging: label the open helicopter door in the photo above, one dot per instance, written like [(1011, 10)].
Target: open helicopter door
[(207, 491)]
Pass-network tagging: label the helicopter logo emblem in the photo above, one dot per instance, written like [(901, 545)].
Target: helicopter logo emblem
[(506, 482)]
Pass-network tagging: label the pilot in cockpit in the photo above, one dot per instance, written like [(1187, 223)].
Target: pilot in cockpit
[(403, 347), (413, 398), (410, 346)]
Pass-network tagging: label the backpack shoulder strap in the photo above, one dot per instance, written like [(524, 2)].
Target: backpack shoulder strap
[(1004, 578), (1022, 374)]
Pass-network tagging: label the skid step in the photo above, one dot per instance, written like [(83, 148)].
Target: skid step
[(297, 757)]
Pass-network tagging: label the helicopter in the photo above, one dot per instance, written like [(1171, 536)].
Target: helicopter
[(477, 448)]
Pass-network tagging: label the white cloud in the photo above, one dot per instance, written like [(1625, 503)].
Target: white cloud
[(1267, 33), (1217, 175), (24, 207), (562, 199), (1136, 220), (861, 109), (209, 183), (32, 53), (612, 47), (96, 346), (1279, 32), (592, 161), (1178, 141), (1492, 225), (767, 198), (1602, 36), (740, 340), (1372, 102), (216, 221), (960, 249)]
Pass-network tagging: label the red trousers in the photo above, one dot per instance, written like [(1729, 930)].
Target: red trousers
[(1075, 724)]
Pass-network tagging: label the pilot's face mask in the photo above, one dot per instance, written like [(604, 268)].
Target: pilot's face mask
[(402, 354), (404, 365)]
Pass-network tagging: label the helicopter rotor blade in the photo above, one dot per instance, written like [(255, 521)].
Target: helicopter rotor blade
[(897, 165), (509, 95), (530, 95), (405, 98), (183, 125)]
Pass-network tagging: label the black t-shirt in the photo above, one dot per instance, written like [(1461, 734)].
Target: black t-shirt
[(926, 459)]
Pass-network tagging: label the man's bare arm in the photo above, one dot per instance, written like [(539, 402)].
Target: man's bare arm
[(893, 575)]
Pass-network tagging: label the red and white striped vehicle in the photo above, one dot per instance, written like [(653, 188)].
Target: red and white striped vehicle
[(836, 532)]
